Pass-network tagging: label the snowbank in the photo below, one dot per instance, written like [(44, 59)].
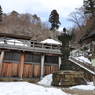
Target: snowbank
[(46, 80), (25, 88), (84, 87)]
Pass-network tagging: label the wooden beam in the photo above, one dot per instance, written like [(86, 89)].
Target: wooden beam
[(16, 36)]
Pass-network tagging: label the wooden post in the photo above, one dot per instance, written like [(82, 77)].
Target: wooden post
[(94, 77), (91, 47), (29, 43), (59, 62), (42, 66), (21, 65), (1, 61)]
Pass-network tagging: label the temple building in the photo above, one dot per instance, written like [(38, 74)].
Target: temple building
[(23, 58)]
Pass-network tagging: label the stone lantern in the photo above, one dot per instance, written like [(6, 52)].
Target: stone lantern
[(65, 50), (66, 76)]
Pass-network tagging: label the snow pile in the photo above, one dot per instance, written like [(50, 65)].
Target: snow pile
[(46, 80), (25, 88), (51, 41), (84, 87)]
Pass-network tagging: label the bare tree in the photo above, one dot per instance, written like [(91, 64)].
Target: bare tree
[(78, 17)]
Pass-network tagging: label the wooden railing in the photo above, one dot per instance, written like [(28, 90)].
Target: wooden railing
[(83, 63), (45, 45), (28, 43), (18, 42)]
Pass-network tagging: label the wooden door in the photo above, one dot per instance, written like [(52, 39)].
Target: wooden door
[(27, 71), (6, 70), (36, 71), (15, 70), (54, 68), (47, 69), (10, 70)]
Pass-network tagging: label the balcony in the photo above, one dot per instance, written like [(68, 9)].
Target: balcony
[(28, 45)]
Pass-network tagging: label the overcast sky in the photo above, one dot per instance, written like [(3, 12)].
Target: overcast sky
[(43, 8)]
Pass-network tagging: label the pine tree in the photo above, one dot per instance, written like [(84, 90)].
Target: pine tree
[(1, 13), (89, 6), (14, 13), (54, 20)]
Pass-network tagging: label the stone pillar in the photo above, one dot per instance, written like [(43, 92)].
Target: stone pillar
[(42, 66), (1, 61)]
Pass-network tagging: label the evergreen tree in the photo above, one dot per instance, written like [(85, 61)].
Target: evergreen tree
[(14, 13), (54, 20), (89, 6), (1, 13)]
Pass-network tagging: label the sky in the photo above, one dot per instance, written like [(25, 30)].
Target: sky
[(43, 8)]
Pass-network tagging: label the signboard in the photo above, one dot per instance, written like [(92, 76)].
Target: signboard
[(93, 62)]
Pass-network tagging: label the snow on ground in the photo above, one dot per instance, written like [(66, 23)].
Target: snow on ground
[(84, 87), (25, 88)]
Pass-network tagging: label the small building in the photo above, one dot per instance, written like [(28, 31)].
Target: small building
[(24, 58)]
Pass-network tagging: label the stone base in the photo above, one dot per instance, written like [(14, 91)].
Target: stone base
[(68, 78)]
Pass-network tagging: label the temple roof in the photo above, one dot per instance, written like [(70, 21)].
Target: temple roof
[(16, 36)]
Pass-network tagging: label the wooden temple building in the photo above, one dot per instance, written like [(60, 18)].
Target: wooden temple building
[(23, 58)]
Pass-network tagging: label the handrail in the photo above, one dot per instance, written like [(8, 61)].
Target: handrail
[(46, 46), (13, 42), (28, 43), (85, 64)]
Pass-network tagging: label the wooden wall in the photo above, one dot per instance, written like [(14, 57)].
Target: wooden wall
[(48, 69), (28, 66), (31, 71), (10, 70), (51, 64)]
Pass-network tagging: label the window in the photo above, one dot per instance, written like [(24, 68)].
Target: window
[(51, 59), (12, 56), (32, 58)]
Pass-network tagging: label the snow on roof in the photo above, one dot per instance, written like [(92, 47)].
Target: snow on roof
[(51, 41)]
